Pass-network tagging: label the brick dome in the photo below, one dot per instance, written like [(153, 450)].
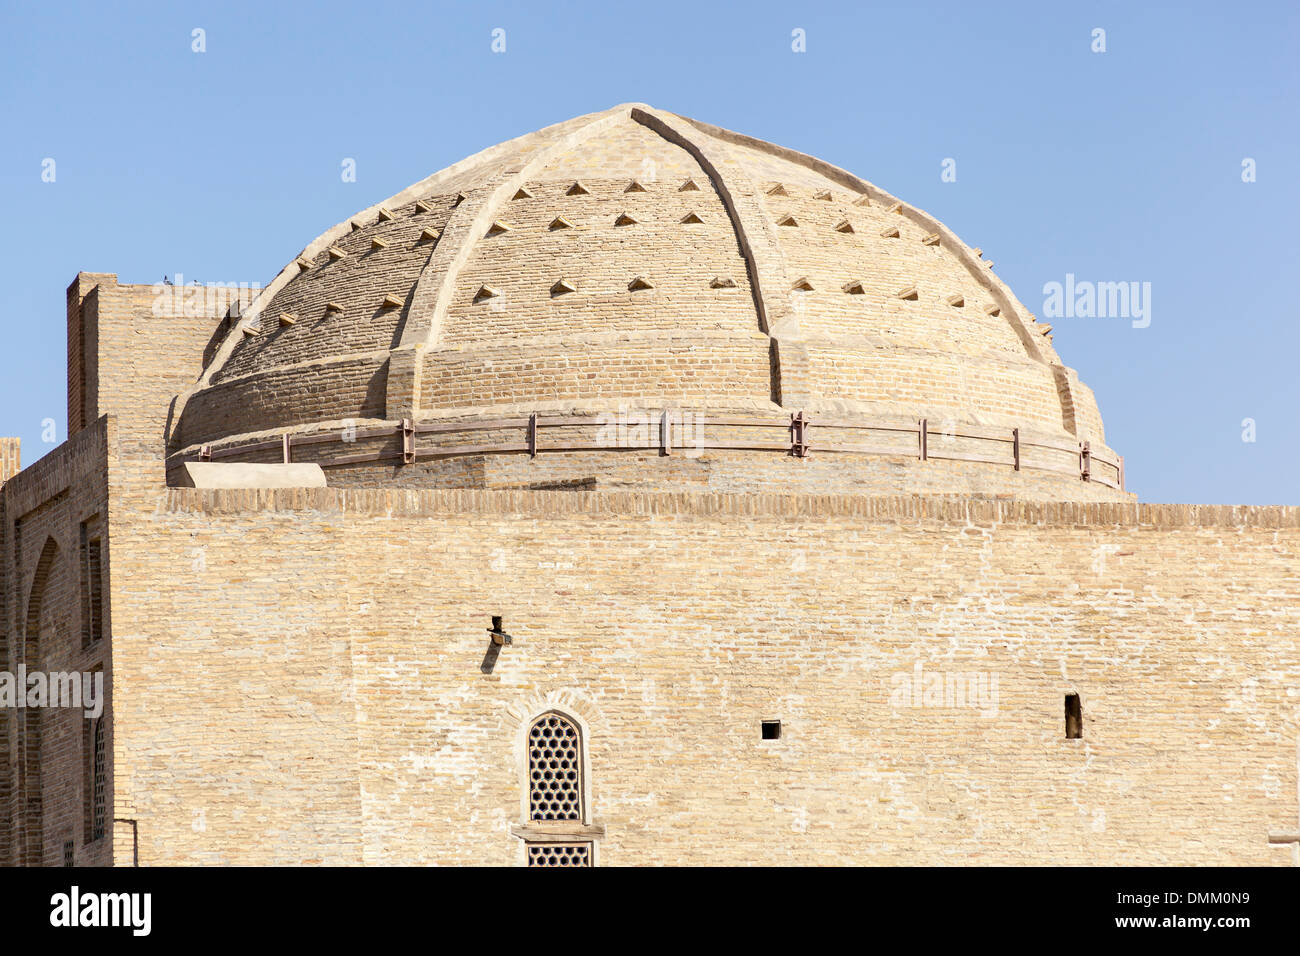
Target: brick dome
[(634, 262)]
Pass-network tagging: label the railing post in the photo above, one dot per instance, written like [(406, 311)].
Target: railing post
[(532, 435), (922, 439), (285, 442), (1015, 446), (1085, 461), (799, 435), (408, 441), (665, 434)]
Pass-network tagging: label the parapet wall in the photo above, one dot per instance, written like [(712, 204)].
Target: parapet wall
[(941, 509)]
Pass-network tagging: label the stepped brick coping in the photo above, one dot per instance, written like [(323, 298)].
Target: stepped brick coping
[(966, 511)]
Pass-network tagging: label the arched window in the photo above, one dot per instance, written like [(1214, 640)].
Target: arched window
[(557, 831), (32, 827), (554, 769)]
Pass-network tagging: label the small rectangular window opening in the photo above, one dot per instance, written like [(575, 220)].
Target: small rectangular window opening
[(771, 730), (1073, 717)]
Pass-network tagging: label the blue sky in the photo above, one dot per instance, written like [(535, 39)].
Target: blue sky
[(1117, 166)]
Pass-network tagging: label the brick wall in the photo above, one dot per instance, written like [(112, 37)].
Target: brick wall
[(42, 796), (310, 685), (10, 458)]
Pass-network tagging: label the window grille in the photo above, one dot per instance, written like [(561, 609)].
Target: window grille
[(559, 854), (554, 770)]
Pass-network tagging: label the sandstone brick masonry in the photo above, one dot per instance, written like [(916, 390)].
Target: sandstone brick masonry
[(10, 458), (349, 627), (307, 675), (639, 257)]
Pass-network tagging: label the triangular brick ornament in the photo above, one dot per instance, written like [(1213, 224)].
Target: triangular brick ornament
[(577, 189), (855, 288), (824, 195), (428, 235), (910, 293), (777, 190), (385, 215), (844, 226), (864, 201), (376, 244), (333, 307), (992, 310), (287, 319), (890, 233), (559, 223), (787, 220), (392, 302), (957, 301), (303, 263), (722, 282), (931, 240), (356, 226), (522, 194), (896, 207), (336, 253), (688, 187), (485, 292), (637, 284), (625, 220), (690, 219), (563, 287), (634, 187), (460, 198), (422, 206), (497, 228), (802, 285)]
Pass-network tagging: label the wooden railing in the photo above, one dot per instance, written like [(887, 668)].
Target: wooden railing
[(685, 432)]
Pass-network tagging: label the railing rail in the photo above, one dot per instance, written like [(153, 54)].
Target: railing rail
[(682, 431)]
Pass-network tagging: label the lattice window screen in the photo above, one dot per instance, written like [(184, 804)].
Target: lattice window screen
[(554, 771), (559, 854), (99, 799)]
